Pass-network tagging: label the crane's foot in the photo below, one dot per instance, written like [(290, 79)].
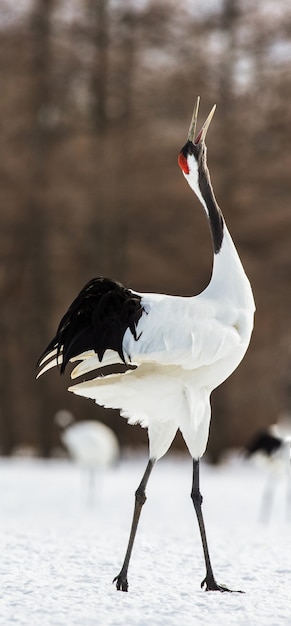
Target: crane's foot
[(121, 582), (210, 584)]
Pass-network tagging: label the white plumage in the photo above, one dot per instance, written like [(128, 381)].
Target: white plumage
[(182, 348), (187, 347)]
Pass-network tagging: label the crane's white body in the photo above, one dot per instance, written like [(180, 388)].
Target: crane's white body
[(186, 347)]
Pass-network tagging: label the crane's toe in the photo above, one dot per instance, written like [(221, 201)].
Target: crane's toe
[(121, 582), (210, 584)]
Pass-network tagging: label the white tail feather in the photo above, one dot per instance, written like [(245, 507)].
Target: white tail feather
[(50, 355), (90, 364), (84, 355), (54, 363), (96, 387)]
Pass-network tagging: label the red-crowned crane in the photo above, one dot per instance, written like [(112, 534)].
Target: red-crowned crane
[(91, 444), (271, 447), (181, 347)]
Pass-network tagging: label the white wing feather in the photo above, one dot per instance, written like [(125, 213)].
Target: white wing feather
[(184, 332), (90, 364), (172, 331)]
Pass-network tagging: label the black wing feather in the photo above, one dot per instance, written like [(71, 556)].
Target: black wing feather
[(263, 442), (96, 320)]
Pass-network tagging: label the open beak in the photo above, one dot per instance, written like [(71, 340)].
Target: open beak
[(192, 130)]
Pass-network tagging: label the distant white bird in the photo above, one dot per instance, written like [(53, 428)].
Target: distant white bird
[(181, 347), (272, 448), (92, 445)]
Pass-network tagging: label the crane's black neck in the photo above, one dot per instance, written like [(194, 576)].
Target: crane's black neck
[(215, 216), (216, 220)]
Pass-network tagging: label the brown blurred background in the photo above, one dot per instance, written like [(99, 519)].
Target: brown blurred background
[(96, 99)]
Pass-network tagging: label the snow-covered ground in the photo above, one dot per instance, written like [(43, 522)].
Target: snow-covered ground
[(58, 556)]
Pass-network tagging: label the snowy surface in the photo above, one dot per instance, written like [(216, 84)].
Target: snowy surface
[(59, 556)]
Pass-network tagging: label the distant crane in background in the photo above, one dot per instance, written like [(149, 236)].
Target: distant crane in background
[(91, 444), (178, 348), (271, 447)]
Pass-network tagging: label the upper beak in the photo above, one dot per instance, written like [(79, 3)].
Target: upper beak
[(192, 130)]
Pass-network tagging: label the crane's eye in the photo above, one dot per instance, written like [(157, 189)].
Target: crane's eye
[(182, 161)]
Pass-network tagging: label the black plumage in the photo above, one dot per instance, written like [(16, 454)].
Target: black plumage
[(96, 320), (265, 443)]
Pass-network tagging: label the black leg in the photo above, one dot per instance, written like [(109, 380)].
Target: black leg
[(140, 498), (209, 581)]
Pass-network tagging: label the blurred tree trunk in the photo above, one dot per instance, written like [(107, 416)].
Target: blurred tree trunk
[(99, 26), (111, 116), (38, 206), (122, 191), (7, 371), (229, 20)]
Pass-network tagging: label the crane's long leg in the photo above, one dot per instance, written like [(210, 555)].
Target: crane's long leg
[(267, 503), (140, 498), (209, 580)]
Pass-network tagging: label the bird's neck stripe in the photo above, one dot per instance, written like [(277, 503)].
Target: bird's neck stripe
[(216, 220)]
